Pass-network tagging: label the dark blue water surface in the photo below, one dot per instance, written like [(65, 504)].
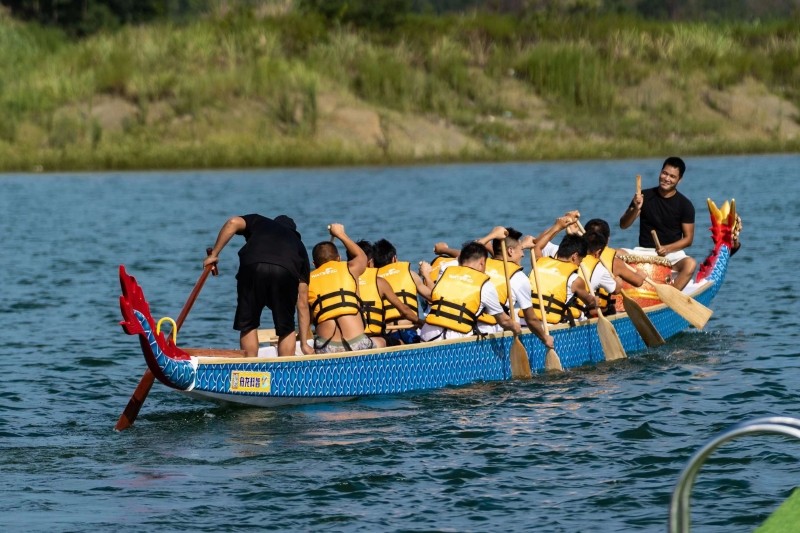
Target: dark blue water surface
[(598, 449)]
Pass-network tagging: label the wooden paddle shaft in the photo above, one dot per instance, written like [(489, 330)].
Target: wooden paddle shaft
[(139, 395), (638, 184), (508, 280)]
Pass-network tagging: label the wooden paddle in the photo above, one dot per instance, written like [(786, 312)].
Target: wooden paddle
[(609, 339), (131, 411), (638, 184), (520, 364), (641, 321), (693, 311), (552, 362)]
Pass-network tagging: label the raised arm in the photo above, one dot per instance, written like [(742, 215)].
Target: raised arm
[(358, 264), (632, 212), (548, 234), (441, 248), (498, 232)]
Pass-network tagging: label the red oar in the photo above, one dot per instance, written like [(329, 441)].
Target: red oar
[(131, 411)]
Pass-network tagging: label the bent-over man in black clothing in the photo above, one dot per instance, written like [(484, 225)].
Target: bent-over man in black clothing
[(671, 215), (273, 272)]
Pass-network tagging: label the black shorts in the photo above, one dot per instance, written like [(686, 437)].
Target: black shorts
[(261, 285)]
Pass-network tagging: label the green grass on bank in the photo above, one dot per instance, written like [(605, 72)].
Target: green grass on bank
[(247, 91)]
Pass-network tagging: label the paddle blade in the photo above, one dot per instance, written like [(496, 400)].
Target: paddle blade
[(641, 322), (520, 365), (131, 411), (690, 309), (609, 340), (552, 362)]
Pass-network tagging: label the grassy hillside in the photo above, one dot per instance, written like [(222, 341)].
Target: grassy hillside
[(286, 89)]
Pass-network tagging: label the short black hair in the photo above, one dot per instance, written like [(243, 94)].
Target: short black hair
[(676, 162), (571, 244), (471, 252), (600, 226), (323, 252), (366, 246), (383, 252), (595, 241)]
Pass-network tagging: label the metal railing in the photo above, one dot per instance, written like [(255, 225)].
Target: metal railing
[(679, 514)]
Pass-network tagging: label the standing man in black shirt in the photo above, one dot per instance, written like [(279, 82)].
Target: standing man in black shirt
[(273, 272), (671, 215)]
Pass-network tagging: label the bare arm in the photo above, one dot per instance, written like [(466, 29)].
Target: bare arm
[(628, 273), (233, 226), (536, 327), (358, 264), (422, 289), (386, 292), (680, 244), (304, 317), (632, 212), (498, 232), (579, 288), (507, 323), (548, 234), (441, 248)]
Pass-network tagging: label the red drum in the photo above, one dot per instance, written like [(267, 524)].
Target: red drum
[(657, 268)]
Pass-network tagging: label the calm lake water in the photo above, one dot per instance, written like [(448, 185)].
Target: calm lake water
[(598, 449)]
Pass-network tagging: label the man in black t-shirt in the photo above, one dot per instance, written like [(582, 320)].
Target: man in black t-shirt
[(273, 272), (671, 215)]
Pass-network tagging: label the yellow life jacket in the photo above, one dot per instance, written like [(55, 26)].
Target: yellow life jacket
[(398, 275), (456, 299), (332, 292), (554, 275), (603, 297), (497, 275), (436, 265), (371, 301), (607, 258)]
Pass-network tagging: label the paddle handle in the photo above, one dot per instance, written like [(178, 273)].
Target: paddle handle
[(508, 280), (638, 184)]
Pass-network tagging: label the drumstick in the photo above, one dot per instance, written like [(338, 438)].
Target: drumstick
[(655, 238)]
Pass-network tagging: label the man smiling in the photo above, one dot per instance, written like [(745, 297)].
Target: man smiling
[(671, 215)]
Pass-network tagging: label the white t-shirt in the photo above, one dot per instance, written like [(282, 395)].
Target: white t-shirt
[(521, 290), (550, 249), (490, 301), (601, 277)]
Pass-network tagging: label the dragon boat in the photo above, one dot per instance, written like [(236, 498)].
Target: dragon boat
[(224, 376)]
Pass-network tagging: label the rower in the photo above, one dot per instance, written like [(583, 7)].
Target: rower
[(406, 285), (333, 296), (373, 291), (460, 295), (561, 284)]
